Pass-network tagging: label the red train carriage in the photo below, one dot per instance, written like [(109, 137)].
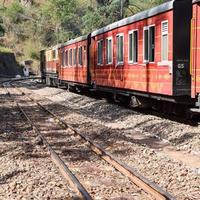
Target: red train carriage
[(146, 54), (151, 55), (74, 62), (50, 65)]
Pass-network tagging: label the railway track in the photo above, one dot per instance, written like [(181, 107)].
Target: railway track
[(150, 188)]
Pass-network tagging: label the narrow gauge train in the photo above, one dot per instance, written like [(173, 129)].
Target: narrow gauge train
[(151, 58)]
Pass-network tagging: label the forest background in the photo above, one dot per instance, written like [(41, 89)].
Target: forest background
[(27, 26)]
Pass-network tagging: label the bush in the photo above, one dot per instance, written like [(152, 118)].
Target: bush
[(35, 55), (13, 12)]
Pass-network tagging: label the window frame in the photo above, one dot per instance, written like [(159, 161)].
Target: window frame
[(165, 21), (148, 28), (80, 47), (65, 51), (74, 56), (153, 25), (107, 39), (100, 64), (54, 54), (132, 32), (62, 57), (121, 62), (70, 57)]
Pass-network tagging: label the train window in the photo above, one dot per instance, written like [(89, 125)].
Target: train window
[(75, 56), (149, 44), (164, 41), (80, 56), (70, 57), (100, 52), (133, 46), (120, 49), (66, 58), (146, 44), (53, 54), (63, 58), (109, 50)]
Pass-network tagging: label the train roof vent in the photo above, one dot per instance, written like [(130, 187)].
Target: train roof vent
[(165, 27)]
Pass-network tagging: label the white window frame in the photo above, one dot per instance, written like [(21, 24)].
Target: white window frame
[(122, 62), (74, 64), (67, 50), (99, 64), (107, 39), (54, 50), (132, 32), (70, 64), (63, 61), (164, 33), (81, 56), (144, 29), (147, 28)]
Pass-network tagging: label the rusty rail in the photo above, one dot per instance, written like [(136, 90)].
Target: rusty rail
[(74, 183), (149, 187)]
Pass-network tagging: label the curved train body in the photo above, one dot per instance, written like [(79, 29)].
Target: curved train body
[(150, 56)]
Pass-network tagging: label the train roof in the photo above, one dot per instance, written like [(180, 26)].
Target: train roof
[(55, 47), (137, 17), (79, 39)]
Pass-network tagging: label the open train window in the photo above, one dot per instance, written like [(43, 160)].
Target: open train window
[(70, 57), (53, 54), (100, 52), (66, 58), (75, 56), (109, 50), (146, 44), (164, 41), (152, 43), (63, 58), (120, 49), (149, 44), (133, 46), (80, 56)]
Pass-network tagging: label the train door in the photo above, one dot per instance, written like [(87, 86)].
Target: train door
[(181, 47)]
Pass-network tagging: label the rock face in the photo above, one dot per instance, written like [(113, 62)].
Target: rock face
[(8, 65)]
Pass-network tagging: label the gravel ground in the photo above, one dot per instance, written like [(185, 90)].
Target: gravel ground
[(132, 137), (100, 179), (26, 172)]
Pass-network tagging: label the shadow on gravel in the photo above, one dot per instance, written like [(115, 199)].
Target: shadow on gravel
[(77, 154), (5, 178), (108, 136), (185, 137), (103, 112)]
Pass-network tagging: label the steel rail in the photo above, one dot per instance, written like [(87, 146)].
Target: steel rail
[(142, 182), (64, 170)]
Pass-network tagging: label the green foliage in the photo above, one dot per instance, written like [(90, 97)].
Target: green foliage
[(48, 22), (13, 12), (5, 49)]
